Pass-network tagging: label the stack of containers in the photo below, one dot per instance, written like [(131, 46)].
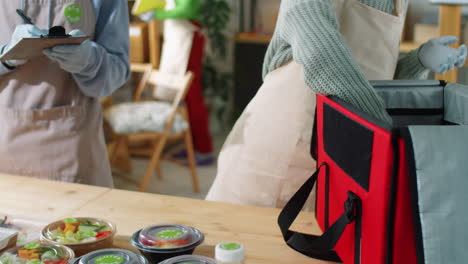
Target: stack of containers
[(161, 242), (90, 240)]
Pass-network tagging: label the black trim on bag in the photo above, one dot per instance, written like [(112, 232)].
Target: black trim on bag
[(327, 198), (366, 116), (349, 144), (319, 247), (314, 140), (314, 151), (358, 233), (392, 199), (406, 135), (415, 112), (448, 123)]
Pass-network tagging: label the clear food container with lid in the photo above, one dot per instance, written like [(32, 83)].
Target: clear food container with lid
[(38, 253), (112, 256), (160, 242), (189, 259), (82, 234)]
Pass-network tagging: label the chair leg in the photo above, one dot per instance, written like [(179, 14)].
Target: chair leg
[(155, 159), (119, 156), (191, 161), (115, 149), (125, 162), (158, 170)]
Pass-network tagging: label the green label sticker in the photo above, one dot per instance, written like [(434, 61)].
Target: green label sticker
[(170, 234), (109, 259), (230, 246), (32, 245), (70, 220), (73, 13)]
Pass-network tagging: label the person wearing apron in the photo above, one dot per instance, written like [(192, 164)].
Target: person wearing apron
[(319, 46), (183, 48), (50, 115)]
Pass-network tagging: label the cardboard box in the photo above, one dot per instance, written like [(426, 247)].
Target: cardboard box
[(139, 43), (423, 32)]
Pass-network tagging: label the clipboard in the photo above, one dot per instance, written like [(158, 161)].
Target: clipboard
[(28, 48), (142, 6)]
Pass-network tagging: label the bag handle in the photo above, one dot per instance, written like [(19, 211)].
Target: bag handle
[(318, 247)]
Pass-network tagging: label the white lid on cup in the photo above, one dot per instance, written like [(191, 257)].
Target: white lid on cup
[(229, 252)]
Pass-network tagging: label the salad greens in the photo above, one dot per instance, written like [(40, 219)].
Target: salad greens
[(72, 230), (34, 253)]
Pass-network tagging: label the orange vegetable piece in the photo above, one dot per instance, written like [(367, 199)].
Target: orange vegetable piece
[(70, 227), (24, 253), (28, 254)]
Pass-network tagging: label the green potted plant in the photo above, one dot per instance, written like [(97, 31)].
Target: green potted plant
[(217, 83)]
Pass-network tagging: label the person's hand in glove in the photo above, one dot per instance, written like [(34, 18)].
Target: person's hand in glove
[(147, 16), (73, 58), (439, 57), (21, 31)]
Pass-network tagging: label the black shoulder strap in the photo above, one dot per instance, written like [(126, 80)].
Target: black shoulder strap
[(318, 247)]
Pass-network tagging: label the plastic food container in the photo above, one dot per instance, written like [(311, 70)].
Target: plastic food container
[(8, 238), (38, 253), (112, 256), (82, 235), (189, 259), (161, 242), (28, 229)]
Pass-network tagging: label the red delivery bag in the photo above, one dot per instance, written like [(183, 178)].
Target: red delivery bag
[(389, 193)]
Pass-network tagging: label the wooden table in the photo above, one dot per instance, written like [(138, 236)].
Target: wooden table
[(255, 227)]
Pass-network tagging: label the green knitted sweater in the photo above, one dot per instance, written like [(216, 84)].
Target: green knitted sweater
[(307, 32)]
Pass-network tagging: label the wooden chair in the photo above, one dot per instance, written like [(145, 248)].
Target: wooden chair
[(160, 138), (121, 158)]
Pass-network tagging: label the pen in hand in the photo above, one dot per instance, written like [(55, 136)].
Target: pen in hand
[(25, 18)]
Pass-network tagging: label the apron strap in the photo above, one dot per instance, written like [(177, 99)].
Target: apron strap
[(318, 247)]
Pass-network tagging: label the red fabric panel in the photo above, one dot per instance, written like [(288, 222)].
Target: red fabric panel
[(197, 110), (404, 241), (375, 202)]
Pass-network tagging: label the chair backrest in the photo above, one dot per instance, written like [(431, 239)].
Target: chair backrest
[(179, 85), (146, 69), (175, 86)]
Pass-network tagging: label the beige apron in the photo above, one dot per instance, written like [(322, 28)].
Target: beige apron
[(178, 40), (49, 128), (266, 156)]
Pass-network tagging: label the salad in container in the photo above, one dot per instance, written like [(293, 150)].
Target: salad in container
[(112, 256), (191, 259), (38, 253), (82, 235), (161, 242)]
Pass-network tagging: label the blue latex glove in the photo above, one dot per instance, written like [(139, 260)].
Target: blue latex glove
[(22, 31), (437, 56), (147, 16), (73, 58)]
